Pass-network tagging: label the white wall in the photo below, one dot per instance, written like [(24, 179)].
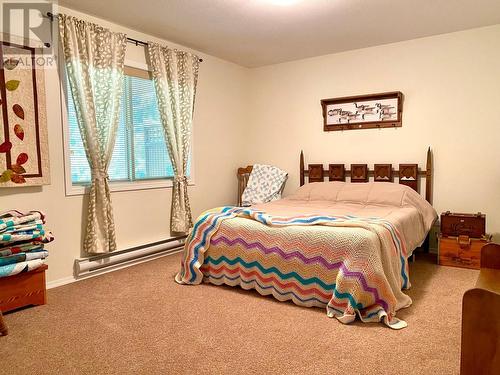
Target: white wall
[(451, 85), (143, 216)]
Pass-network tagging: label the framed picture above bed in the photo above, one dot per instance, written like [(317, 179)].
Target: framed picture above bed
[(372, 111)]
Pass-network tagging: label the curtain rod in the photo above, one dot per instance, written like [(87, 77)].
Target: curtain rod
[(137, 42)]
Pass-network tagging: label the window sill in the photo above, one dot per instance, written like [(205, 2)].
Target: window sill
[(126, 186)]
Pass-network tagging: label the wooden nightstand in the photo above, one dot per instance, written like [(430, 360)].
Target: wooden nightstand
[(461, 239)]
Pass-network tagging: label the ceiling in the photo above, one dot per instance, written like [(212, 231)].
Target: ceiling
[(254, 33)]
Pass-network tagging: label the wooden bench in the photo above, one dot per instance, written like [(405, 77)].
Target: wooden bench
[(481, 318)]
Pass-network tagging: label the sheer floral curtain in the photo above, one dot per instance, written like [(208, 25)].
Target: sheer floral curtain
[(94, 58), (175, 74)]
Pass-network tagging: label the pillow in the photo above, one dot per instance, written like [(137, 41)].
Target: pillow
[(367, 193), (386, 193), (318, 191)]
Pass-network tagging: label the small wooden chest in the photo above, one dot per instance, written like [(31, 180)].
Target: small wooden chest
[(23, 289), (455, 224), (461, 251)]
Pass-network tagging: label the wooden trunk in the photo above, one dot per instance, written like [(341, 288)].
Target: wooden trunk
[(23, 289), (455, 224), (461, 251)]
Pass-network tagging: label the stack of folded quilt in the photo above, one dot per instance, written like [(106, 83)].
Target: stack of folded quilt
[(22, 240)]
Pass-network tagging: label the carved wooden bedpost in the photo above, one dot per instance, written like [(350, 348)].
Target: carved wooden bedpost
[(301, 168), (428, 177)]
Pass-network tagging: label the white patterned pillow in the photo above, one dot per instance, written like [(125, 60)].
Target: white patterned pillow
[(264, 184)]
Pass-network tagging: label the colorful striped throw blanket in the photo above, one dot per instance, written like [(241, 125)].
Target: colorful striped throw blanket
[(350, 265), (22, 241)]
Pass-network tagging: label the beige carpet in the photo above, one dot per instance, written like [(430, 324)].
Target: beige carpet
[(138, 321)]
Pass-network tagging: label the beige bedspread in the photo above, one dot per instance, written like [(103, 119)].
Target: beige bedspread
[(411, 214), (339, 245)]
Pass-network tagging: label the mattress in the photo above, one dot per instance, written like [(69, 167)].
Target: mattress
[(336, 245)]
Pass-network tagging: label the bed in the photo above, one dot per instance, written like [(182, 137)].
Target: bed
[(339, 245)]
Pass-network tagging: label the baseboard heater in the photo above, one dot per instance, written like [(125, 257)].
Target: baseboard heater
[(117, 259)]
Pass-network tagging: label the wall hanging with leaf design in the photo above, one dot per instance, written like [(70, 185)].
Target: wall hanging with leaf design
[(24, 159)]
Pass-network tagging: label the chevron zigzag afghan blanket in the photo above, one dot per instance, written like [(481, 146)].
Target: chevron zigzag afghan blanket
[(350, 265)]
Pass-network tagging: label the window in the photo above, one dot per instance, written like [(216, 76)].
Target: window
[(140, 152)]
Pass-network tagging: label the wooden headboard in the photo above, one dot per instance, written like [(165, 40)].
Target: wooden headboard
[(407, 174)]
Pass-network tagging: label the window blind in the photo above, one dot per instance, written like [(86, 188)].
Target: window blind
[(148, 141), (140, 151)]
